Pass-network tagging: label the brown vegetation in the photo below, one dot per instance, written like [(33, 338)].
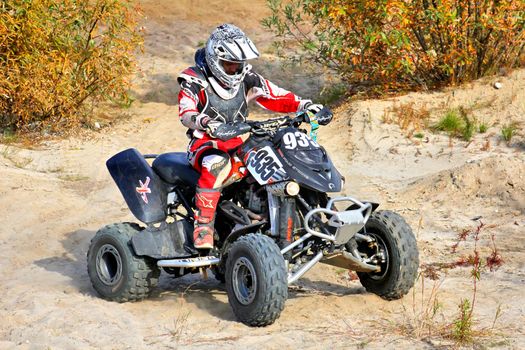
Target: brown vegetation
[(399, 45), (57, 55)]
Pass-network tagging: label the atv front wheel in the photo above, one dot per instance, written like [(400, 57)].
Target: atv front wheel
[(116, 273), (256, 280), (394, 248)]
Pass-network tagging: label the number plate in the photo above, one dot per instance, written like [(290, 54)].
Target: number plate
[(299, 140), (265, 166)]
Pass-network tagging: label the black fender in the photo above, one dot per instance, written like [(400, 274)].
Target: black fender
[(355, 206), (234, 235), (143, 190)]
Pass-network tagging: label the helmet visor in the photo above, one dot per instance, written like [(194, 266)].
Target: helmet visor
[(231, 67)]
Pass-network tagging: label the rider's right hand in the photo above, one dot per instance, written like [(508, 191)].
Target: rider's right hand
[(313, 108), (226, 131), (212, 126)]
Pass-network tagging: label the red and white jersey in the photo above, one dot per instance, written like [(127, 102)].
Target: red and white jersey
[(198, 98)]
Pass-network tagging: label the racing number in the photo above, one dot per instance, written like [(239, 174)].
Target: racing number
[(292, 140), (264, 164)]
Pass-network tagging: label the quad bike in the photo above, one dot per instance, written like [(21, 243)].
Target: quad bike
[(273, 224)]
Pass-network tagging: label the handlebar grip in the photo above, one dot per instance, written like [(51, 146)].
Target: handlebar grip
[(228, 131)]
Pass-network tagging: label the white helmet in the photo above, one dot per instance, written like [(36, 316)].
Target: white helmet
[(229, 43)]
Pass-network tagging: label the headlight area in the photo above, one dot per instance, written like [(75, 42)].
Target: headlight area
[(292, 188), (285, 188)]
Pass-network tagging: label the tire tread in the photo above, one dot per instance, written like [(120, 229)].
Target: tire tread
[(143, 274), (404, 239), (274, 273)]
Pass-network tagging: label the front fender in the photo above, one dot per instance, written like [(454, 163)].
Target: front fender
[(234, 235), (355, 206)]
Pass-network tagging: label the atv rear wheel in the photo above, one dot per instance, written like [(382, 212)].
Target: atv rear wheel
[(256, 280), (116, 273), (396, 250)]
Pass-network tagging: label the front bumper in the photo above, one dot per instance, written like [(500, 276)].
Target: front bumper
[(346, 223)]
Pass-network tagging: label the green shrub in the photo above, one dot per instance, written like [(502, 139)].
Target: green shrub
[(399, 45), (462, 326), (58, 55)]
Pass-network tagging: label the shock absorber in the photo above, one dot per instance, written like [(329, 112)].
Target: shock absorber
[(286, 223)]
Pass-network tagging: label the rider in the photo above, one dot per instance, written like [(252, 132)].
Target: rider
[(216, 91)]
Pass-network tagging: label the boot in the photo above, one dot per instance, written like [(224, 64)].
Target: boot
[(206, 203)]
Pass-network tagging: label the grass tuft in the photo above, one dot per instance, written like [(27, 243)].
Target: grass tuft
[(508, 131), (457, 123), (482, 128), (451, 122)]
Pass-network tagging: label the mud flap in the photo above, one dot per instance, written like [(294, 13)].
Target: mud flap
[(166, 243)]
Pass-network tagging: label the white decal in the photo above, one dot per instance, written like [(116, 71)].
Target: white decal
[(144, 189), (263, 164), (293, 139)]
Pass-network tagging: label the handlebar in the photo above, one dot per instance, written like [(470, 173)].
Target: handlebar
[(270, 126), (274, 124)]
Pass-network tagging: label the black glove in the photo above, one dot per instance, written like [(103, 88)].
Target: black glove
[(226, 131), (211, 127), (313, 107), (321, 114), (324, 116)]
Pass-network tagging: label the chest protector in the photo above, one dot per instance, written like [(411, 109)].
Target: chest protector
[(232, 110), (220, 105)]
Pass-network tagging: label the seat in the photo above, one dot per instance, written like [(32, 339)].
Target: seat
[(174, 168)]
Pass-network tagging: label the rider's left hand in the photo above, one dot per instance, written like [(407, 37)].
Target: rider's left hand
[(313, 113), (313, 107)]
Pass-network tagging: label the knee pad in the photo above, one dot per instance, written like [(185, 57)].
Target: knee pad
[(218, 166)]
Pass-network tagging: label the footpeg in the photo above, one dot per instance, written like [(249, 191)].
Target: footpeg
[(200, 261)]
